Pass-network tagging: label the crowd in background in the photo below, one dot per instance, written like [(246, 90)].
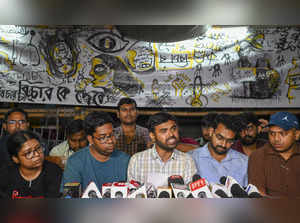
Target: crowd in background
[(265, 153)]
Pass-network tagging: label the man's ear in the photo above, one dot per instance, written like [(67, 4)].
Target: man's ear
[(210, 131), (152, 137), (297, 135), (118, 114), (27, 124), (15, 159), (4, 126), (90, 139)]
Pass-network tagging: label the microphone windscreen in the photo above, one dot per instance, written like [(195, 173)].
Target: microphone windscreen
[(221, 193), (164, 194), (254, 195), (237, 191), (223, 180), (196, 177), (175, 179)]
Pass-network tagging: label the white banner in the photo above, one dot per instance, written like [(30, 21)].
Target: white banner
[(84, 65)]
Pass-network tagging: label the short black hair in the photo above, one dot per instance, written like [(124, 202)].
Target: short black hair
[(16, 110), (124, 101), (158, 119), (16, 140), (75, 126), (229, 121), (96, 119), (207, 120), (249, 117)]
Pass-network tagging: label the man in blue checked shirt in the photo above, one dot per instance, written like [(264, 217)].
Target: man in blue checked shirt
[(216, 158)]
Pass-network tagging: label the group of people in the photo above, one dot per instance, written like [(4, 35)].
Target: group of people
[(263, 153)]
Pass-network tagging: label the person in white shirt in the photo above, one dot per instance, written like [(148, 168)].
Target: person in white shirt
[(76, 139)]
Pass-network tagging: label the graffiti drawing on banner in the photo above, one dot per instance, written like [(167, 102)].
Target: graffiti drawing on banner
[(60, 53), (29, 54), (197, 99), (293, 79), (107, 42), (140, 58)]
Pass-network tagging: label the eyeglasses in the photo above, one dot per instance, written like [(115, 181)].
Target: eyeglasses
[(13, 122), (30, 154), (222, 138), (104, 139)]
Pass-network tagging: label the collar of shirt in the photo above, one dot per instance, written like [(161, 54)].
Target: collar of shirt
[(231, 154), (155, 155)]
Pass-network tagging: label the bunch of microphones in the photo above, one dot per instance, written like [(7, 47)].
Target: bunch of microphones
[(197, 188)]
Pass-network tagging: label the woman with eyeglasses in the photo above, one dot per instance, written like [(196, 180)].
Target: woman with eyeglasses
[(30, 176)]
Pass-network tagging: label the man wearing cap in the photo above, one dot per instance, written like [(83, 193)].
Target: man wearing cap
[(274, 168)]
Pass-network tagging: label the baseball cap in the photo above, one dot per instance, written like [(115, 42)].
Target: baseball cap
[(284, 120)]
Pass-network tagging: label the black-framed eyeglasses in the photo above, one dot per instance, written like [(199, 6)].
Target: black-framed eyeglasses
[(105, 138), (30, 154), (13, 122), (222, 138)]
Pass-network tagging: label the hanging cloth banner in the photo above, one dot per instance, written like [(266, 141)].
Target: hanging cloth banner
[(237, 66)]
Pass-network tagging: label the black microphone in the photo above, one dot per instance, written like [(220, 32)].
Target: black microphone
[(196, 177), (164, 194), (233, 186), (175, 179), (253, 191), (221, 193)]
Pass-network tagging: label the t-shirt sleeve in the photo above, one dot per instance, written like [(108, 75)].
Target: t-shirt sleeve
[(256, 171), (71, 173)]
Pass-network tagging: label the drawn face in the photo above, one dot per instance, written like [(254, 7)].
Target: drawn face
[(281, 140), (100, 72), (77, 141), (16, 121), (103, 140), (222, 139), (248, 136), (166, 135), (31, 155), (127, 114), (63, 59)]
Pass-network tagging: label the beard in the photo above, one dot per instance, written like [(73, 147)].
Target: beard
[(219, 152), (165, 146), (248, 140)]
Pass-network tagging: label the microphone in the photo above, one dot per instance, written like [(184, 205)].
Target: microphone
[(151, 191), (219, 191), (233, 186), (253, 192), (196, 177), (119, 190), (200, 189), (138, 192), (164, 192), (175, 179), (72, 190), (180, 190), (91, 191), (106, 190)]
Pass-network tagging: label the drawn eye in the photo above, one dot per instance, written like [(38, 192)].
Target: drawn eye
[(107, 42)]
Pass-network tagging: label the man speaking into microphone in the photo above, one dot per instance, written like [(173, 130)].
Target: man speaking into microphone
[(99, 162), (162, 159)]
